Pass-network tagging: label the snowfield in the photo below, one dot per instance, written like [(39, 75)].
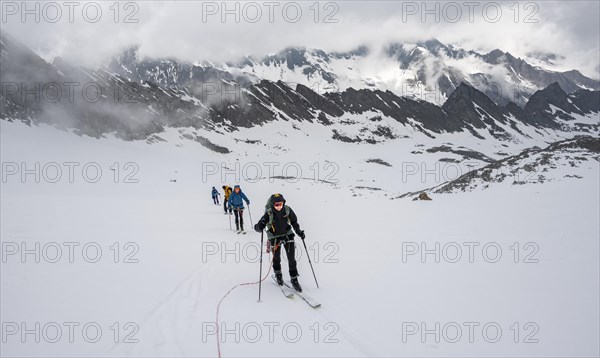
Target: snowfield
[(133, 262)]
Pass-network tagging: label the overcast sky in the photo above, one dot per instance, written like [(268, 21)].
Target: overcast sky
[(194, 30)]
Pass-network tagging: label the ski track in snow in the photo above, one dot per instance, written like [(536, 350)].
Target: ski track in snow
[(175, 309), (178, 310), (367, 294)]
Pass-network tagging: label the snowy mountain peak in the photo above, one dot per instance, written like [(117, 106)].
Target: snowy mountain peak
[(434, 46), (494, 56), (169, 93), (428, 70)]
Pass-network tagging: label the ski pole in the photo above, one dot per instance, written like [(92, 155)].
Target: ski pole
[(311, 266), (228, 214), (250, 214), (260, 271)]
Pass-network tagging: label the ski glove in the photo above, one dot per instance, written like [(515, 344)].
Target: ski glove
[(301, 234), (257, 227)]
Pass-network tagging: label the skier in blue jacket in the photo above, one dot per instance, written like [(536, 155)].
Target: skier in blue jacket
[(236, 201), (215, 196)]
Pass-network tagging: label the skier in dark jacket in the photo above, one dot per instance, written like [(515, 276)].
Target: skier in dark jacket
[(236, 202), (279, 219), (215, 196)]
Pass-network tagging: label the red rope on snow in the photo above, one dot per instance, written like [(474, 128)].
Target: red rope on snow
[(233, 288)]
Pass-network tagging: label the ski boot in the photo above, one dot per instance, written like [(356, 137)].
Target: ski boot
[(296, 284), (279, 278)]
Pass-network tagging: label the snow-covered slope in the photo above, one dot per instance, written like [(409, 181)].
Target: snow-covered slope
[(378, 294), (565, 159)]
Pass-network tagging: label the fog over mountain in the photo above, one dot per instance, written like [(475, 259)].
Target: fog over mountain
[(429, 169)]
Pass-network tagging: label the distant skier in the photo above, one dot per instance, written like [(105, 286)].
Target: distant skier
[(215, 196), (279, 219), (236, 202), (227, 190)]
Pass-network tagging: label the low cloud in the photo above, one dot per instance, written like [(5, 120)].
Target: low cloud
[(194, 30)]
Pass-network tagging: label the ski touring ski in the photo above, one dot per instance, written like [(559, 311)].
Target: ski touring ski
[(307, 298), (285, 290)]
